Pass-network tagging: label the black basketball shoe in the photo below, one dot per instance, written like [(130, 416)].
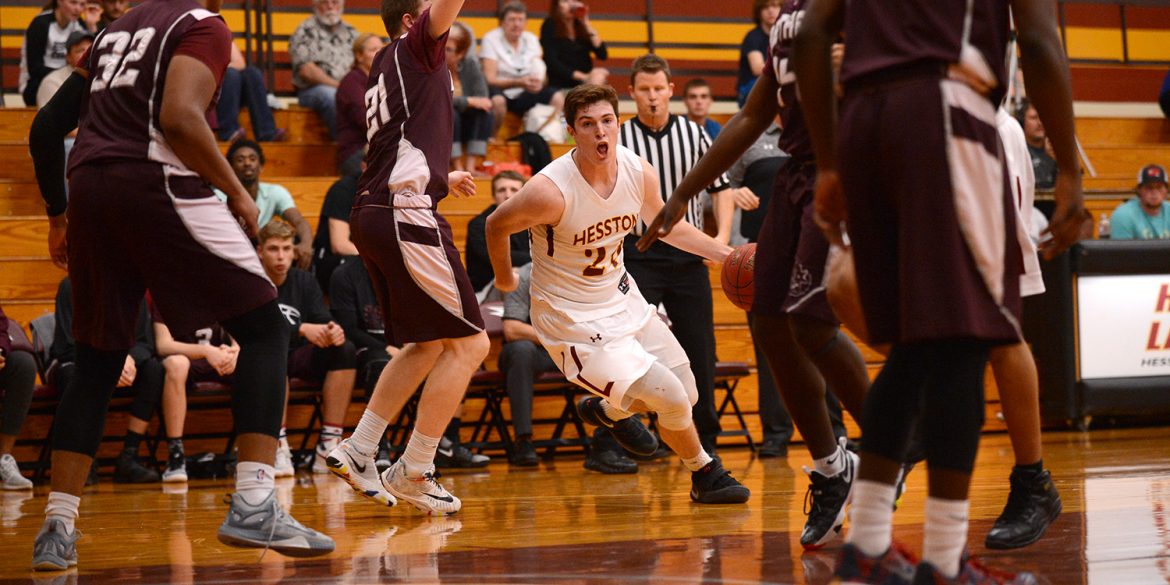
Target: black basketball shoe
[(1032, 505), (714, 485), (630, 433)]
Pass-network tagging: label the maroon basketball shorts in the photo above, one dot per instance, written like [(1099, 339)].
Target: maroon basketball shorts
[(133, 228), (931, 217), (791, 252), (416, 271)]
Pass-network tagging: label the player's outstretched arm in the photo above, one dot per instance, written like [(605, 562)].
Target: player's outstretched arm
[(189, 88), (1046, 69), (443, 15), (684, 236), (539, 202), (46, 144), (812, 61), (734, 139)]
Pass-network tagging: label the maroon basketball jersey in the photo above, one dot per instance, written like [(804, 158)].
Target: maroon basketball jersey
[(794, 138), (408, 118), (128, 66), (884, 34)]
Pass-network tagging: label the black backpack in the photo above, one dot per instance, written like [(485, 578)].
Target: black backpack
[(534, 151)]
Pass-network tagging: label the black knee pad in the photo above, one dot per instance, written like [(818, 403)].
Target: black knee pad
[(81, 414), (261, 370)]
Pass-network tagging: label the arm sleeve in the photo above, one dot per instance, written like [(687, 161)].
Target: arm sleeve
[(343, 297), (46, 141), (36, 39), (209, 41)]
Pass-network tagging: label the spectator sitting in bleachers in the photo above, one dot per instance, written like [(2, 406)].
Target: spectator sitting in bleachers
[(521, 359), (247, 160), (1043, 165), (76, 46), (43, 50), (142, 373), (753, 51), (351, 105), (244, 85), (479, 267), (111, 10), (321, 51), (318, 349), (570, 41), (513, 65), (473, 107), (355, 307), (207, 355), (18, 377), (332, 246), (1147, 216), (697, 98)]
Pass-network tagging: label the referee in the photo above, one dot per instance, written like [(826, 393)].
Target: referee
[(677, 279)]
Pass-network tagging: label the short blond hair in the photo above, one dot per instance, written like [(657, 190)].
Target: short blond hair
[(278, 229)]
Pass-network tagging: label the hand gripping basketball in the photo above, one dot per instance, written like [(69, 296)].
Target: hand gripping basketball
[(738, 276)]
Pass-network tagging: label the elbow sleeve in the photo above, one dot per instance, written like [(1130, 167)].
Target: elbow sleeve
[(46, 141)]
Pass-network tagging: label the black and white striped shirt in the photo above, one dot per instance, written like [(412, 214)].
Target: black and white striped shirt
[(673, 152)]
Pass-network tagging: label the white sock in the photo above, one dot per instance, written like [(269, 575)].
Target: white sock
[(63, 507), (945, 534), (420, 454), (833, 464), (330, 435), (254, 481), (698, 461), (369, 431), (614, 413), (282, 439), (871, 517)]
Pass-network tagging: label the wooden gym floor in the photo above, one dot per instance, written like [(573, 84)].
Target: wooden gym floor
[(561, 524)]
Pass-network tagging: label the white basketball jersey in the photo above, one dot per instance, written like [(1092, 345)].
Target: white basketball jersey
[(1023, 184), (578, 266)]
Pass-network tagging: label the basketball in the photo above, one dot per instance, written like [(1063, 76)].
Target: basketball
[(738, 277)]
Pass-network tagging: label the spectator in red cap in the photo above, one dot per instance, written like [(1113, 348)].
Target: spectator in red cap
[(1147, 216)]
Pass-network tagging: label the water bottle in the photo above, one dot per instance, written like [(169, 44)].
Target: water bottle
[(1103, 227)]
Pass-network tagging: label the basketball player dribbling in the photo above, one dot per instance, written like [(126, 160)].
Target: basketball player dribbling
[(587, 310), (426, 296), (142, 215), (917, 170), (791, 318)]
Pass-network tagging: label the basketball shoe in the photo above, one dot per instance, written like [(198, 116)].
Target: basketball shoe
[(971, 572), (325, 446), (267, 525), (424, 493), (825, 501), (1032, 505), (894, 567), (284, 465), (630, 433), (714, 485), (10, 477), (359, 471), (54, 550)]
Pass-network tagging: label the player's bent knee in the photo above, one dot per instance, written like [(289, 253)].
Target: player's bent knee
[(177, 365), (687, 377), (663, 393), (815, 336), (471, 349)]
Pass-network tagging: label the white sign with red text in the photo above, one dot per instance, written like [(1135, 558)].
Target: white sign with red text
[(1123, 326)]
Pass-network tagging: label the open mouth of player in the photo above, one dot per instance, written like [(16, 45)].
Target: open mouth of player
[(602, 149)]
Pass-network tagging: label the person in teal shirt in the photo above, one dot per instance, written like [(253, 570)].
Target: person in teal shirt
[(247, 160), (1147, 216)]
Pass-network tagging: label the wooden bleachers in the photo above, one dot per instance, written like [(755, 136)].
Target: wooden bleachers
[(304, 164)]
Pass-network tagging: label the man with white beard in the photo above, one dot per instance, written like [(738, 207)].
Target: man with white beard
[(321, 50)]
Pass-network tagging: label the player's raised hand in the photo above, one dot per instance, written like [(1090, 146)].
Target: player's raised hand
[(669, 215), (58, 245), (508, 281), (245, 210), (829, 206), (461, 184), (1068, 219)]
